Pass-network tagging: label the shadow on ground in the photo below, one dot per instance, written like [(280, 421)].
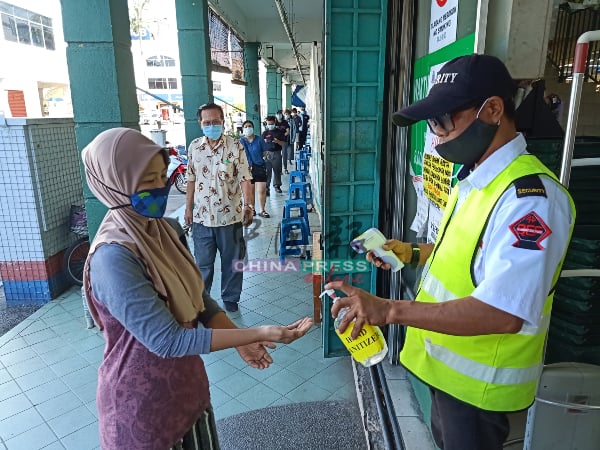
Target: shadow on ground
[(328, 425)]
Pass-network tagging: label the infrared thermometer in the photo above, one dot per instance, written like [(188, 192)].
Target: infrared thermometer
[(373, 240)]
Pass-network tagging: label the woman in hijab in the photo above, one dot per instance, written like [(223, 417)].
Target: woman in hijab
[(146, 294)]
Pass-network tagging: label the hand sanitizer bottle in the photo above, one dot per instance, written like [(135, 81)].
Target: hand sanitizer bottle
[(369, 347)]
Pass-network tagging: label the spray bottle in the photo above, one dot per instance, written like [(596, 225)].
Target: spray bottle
[(369, 347)]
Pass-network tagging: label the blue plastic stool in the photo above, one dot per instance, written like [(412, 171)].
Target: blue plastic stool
[(303, 154), (290, 245), (291, 206), (301, 191), (302, 164), (297, 176)]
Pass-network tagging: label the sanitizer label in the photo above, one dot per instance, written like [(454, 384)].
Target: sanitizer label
[(369, 342)]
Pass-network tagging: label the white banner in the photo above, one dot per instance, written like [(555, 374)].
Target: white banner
[(442, 25)]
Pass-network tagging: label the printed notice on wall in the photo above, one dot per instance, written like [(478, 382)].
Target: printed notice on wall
[(442, 26), (437, 174)]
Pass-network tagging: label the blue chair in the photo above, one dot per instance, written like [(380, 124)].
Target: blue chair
[(301, 191), (293, 237), (296, 176)]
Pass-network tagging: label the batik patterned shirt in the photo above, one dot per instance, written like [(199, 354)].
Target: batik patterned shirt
[(217, 172)]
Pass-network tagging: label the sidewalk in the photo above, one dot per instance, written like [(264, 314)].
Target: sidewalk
[(49, 362)]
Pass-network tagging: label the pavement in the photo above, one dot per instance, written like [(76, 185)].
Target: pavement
[(49, 361)]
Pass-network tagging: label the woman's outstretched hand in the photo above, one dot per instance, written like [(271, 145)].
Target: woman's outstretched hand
[(289, 333)]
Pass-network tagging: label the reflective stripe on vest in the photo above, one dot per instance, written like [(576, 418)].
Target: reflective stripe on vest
[(482, 372)]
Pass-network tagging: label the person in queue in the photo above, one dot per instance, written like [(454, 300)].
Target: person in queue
[(218, 203), (476, 332), (255, 148), (147, 295)]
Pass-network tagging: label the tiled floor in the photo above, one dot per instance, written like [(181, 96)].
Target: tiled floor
[(48, 363)]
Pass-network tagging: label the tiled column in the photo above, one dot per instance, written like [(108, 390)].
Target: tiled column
[(40, 182)]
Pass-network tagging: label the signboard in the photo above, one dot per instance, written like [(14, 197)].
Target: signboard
[(442, 24)]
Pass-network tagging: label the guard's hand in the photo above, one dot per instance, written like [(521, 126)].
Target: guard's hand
[(187, 216), (403, 250), (364, 308), (247, 217)]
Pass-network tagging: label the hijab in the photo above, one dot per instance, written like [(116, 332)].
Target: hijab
[(114, 163)]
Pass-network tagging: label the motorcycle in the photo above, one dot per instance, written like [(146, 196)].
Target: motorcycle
[(177, 170)]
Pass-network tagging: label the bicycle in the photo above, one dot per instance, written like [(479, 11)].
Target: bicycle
[(76, 253)]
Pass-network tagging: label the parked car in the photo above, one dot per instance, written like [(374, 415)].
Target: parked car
[(150, 118)]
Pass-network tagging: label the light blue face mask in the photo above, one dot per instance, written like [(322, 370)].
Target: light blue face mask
[(213, 132)]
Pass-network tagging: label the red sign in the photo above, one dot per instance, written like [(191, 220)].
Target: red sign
[(441, 3)]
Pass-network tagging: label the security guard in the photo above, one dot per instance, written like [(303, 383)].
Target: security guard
[(475, 334)]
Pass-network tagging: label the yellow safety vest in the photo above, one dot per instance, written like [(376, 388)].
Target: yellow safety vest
[(497, 372)]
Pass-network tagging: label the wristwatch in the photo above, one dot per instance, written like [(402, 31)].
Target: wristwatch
[(416, 255)]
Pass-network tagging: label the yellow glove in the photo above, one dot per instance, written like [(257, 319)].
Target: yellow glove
[(403, 250)]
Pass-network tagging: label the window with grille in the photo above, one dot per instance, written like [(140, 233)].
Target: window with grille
[(162, 83), (160, 61), (226, 48), (26, 27)]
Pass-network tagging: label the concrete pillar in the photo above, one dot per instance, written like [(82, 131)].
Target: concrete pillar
[(194, 61), (101, 75), (287, 100), (279, 80), (252, 83), (273, 100)]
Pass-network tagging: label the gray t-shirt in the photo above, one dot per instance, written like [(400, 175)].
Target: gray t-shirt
[(121, 284)]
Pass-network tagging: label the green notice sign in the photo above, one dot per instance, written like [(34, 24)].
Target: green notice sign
[(432, 181), (423, 67)]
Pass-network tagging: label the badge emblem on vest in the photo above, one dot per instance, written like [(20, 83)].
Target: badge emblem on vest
[(530, 230)]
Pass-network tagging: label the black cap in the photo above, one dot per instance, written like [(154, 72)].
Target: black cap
[(460, 83)]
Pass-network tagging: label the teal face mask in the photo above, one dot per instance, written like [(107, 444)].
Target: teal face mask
[(213, 132), (151, 202)]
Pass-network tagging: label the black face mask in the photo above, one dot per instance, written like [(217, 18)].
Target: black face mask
[(469, 147)]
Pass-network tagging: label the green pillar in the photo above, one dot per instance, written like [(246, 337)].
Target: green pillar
[(287, 101), (279, 80), (353, 90), (194, 61), (272, 97), (252, 83), (101, 76)]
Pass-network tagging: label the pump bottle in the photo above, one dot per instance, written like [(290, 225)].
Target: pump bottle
[(369, 347)]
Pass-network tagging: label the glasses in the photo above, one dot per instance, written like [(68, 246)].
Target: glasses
[(445, 121), (206, 123)]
